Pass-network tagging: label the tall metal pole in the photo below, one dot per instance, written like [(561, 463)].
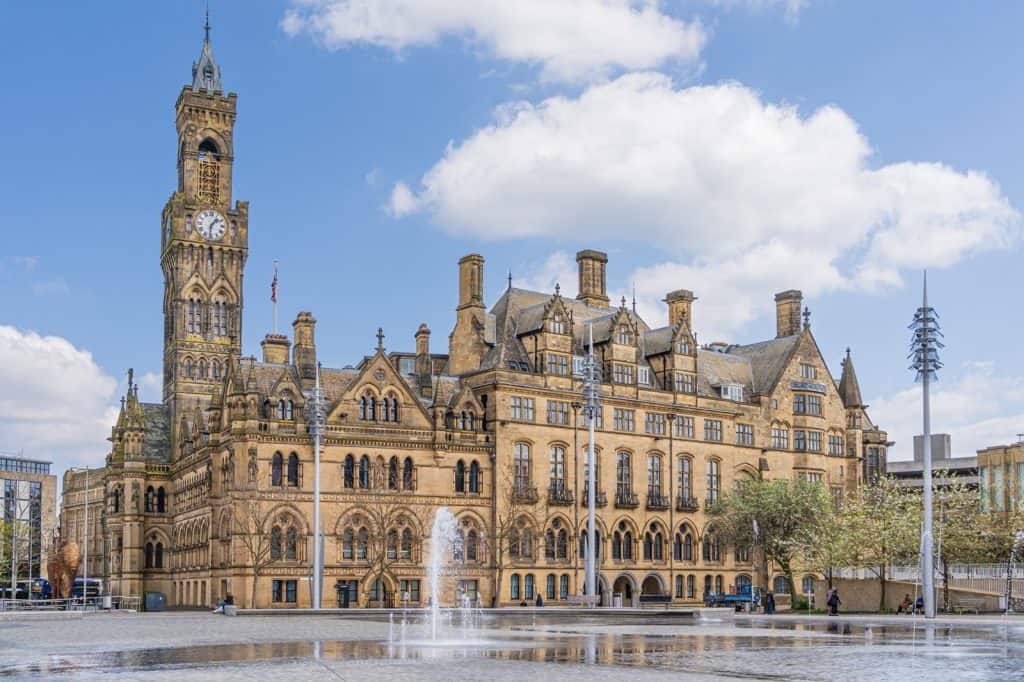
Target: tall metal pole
[(592, 393), (924, 351), (316, 420), (85, 565)]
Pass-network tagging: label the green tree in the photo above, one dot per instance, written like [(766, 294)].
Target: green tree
[(956, 511), (784, 513), (824, 545), (881, 524)]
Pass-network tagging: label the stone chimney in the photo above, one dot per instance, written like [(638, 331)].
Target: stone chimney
[(680, 307), (304, 353), (592, 278), (787, 313), (466, 343), (423, 356), (276, 349)]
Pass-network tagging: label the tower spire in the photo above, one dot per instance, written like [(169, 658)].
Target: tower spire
[(205, 72)]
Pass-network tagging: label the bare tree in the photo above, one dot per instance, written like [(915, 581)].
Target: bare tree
[(519, 509), (252, 529)]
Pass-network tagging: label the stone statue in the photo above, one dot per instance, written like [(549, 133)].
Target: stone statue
[(136, 490), (253, 466)]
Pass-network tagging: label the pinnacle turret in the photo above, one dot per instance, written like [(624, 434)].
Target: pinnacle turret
[(206, 72), (849, 388)]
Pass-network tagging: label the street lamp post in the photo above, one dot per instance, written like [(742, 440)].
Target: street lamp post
[(924, 345)]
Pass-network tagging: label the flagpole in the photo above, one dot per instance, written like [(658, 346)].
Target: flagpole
[(273, 295)]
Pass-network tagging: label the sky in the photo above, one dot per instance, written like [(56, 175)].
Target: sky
[(733, 147)]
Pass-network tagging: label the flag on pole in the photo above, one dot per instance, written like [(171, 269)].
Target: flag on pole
[(273, 285)]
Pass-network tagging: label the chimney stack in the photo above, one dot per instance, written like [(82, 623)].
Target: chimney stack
[(592, 278), (276, 348), (304, 353), (423, 355), (787, 313), (466, 343), (680, 307)]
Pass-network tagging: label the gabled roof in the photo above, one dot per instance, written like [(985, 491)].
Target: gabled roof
[(720, 369)]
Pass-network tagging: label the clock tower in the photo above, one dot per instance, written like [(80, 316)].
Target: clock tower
[(203, 245)]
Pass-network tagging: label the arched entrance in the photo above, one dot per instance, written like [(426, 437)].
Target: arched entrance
[(625, 587), (652, 585)]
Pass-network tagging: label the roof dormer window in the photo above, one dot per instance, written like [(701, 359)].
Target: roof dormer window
[(624, 335), (557, 324), (732, 392), (683, 347), (643, 376)]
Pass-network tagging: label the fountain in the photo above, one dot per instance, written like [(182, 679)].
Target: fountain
[(442, 538)]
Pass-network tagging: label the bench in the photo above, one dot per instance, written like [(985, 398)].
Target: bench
[(969, 604), (655, 599)]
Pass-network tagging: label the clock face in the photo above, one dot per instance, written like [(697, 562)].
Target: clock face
[(210, 225)]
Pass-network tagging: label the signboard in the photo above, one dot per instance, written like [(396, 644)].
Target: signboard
[(807, 386)]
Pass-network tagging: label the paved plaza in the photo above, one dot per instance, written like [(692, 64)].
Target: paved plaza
[(506, 645)]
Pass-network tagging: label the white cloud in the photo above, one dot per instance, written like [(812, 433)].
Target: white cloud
[(571, 40), (792, 8), (29, 263), (751, 195), (559, 268), (57, 403), (979, 406)]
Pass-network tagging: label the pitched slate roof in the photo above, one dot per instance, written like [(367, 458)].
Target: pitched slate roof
[(717, 369), (768, 359), (157, 444)]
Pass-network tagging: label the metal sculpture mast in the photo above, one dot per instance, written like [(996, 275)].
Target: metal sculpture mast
[(924, 351), (592, 407), (317, 415)]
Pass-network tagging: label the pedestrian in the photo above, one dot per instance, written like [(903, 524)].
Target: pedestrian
[(833, 602), (919, 605), (540, 602), (769, 603), (905, 605)]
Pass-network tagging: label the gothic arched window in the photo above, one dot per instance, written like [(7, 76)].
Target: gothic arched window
[(460, 476), (474, 477), (275, 543), (150, 500), (158, 557), (276, 464), (293, 469), (408, 482), (459, 546), (161, 501), (364, 472), (394, 408), (350, 472), (291, 544), (521, 467), (362, 540), (406, 550), (149, 555), (346, 544), (471, 545)]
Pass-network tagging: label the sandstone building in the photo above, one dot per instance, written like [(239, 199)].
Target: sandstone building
[(210, 491)]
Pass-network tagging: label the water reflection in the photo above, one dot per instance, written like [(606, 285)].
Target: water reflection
[(768, 649)]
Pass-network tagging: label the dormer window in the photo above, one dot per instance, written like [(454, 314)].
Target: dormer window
[(732, 392), (643, 376), (557, 324), (683, 347), (624, 335)]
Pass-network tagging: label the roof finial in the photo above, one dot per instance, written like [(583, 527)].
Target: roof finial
[(623, 302), (807, 317), (131, 375), (634, 297), (380, 338), (558, 289), (206, 27), (509, 279)]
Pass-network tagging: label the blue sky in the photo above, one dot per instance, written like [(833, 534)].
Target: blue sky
[(733, 147)]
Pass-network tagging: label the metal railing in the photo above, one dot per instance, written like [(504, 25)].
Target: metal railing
[(600, 498), (100, 603), (687, 504), (657, 501), (560, 495), (626, 500)]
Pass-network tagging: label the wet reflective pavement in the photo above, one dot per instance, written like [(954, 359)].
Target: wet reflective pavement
[(500, 646)]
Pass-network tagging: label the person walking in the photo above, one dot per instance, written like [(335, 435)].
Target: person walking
[(769, 603), (833, 602)]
